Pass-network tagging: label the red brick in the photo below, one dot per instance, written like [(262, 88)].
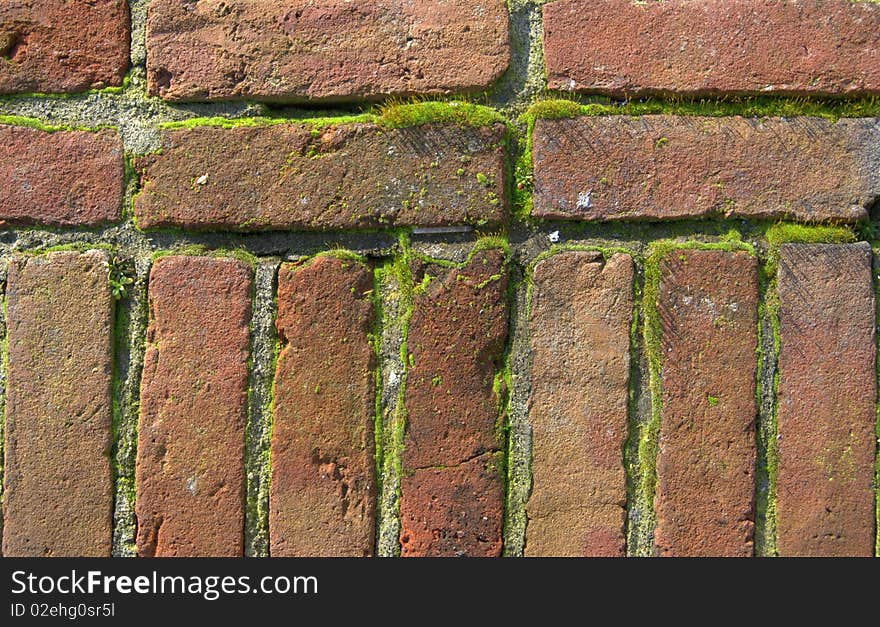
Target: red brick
[(62, 45), (58, 488), (451, 492), (296, 50), (705, 467), (190, 464), (664, 167), (351, 176), (322, 499), (826, 394), (454, 511), (713, 47), (580, 317), (65, 178)]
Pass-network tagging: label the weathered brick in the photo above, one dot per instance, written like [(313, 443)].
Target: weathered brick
[(580, 318), (190, 462), (705, 467), (62, 45), (826, 394), (454, 511), (295, 50), (713, 47), (451, 499), (350, 176), (58, 488), (322, 498), (663, 167), (63, 178)]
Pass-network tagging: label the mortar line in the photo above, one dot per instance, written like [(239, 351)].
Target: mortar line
[(638, 526), (875, 270), (130, 334), (519, 445), (258, 431), (394, 294), (4, 354), (766, 406)]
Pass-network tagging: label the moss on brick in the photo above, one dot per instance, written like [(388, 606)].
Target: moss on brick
[(652, 337)]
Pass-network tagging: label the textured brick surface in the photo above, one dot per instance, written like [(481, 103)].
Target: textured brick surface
[(358, 175), (58, 493), (292, 50), (454, 511), (323, 490), (580, 318), (62, 45), (713, 47), (826, 394), (661, 167), (190, 466), (451, 492), (65, 178), (705, 466)]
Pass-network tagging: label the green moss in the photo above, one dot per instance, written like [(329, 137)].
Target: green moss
[(389, 116), (198, 250), (788, 232), (401, 115), (712, 401), (757, 106), (18, 120)]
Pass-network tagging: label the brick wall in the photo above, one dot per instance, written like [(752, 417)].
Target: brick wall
[(439, 277)]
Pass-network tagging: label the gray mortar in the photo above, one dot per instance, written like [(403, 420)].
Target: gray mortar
[(524, 79), (765, 526), (392, 373), (519, 437), (131, 316), (259, 425), (640, 520), (3, 347)]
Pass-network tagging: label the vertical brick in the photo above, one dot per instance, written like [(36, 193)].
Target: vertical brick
[(62, 45), (323, 492), (58, 492), (707, 307), (63, 178), (581, 311), (451, 492), (190, 464), (826, 401)]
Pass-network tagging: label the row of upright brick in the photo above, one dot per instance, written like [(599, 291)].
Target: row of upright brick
[(701, 312)]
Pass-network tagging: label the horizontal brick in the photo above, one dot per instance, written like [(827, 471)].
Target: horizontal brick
[(451, 495), (713, 47), (351, 176), (580, 317), (705, 466), (662, 167), (826, 401), (63, 178), (296, 50), (62, 45), (58, 487), (190, 453), (322, 500)]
